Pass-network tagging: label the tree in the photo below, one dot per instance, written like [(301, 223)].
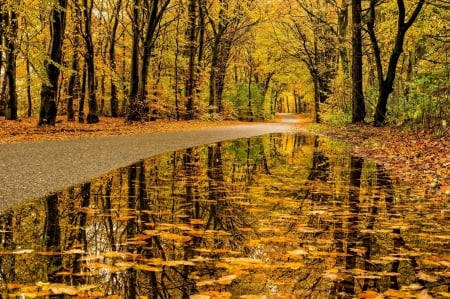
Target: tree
[(192, 49), (386, 80), (11, 65), (358, 105), (49, 90), (90, 61), (229, 21), (2, 94), (73, 89), (112, 58), (313, 39), (146, 17)]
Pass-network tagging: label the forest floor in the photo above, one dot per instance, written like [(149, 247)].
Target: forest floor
[(418, 158)]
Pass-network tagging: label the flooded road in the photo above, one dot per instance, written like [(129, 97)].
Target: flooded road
[(276, 216)]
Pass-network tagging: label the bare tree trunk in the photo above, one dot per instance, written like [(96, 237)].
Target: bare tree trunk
[(49, 91), (74, 76), (138, 106), (190, 82), (93, 116), (358, 105), (112, 59)]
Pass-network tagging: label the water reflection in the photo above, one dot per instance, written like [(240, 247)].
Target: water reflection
[(279, 215)]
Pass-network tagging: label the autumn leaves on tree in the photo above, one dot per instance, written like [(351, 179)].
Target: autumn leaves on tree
[(186, 59)]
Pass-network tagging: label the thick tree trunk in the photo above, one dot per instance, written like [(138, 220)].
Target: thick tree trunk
[(49, 91), (138, 106), (190, 82), (134, 71), (112, 60), (74, 77), (93, 115), (358, 105), (53, 237)]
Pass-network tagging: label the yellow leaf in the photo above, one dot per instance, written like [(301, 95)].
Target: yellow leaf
[(397, 294), (147, 268), (61, 289), (175, 237), (370, 295), (426, 277)]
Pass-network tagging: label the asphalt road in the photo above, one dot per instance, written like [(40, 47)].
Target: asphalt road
[(33, 170)]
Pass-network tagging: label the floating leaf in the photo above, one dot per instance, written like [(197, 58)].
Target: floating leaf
[(297, 252), (175, 237), (370, 295), (49, 253), (12, 286), (23, 251), (90, 258), (391, 293), (424, 276), (62, 289), (147, 268)]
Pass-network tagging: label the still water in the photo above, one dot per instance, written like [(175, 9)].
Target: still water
[(276, 216)]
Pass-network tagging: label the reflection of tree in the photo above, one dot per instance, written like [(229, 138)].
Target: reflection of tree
[(191, 211), (7, 272), (385, 184), (131, 230), (320, 169), (356, 166), (52, 237), (79, 223)]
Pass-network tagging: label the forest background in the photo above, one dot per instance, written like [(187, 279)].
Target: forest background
[(216, 59), (340, 61)]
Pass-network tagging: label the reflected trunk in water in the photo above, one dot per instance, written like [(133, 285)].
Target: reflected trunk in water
[(7, 262), (53, 240), (131, 231), (190, 211), (79, 240), (356, 166)]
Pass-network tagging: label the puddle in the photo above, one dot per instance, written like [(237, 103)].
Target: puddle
[(277, 216)]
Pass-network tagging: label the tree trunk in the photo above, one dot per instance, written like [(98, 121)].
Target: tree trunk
[(358, 105), (73, 79), (138, 106), (28, 70), (82, 94), (386, 83), (3, 81), (190, 82), (112, 59), (11, 66), (93, 116), (134, 71), (48, 109)]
